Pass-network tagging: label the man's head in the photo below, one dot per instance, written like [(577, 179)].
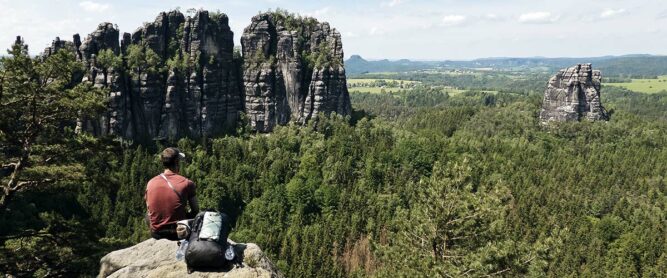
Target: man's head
[(170, 158)]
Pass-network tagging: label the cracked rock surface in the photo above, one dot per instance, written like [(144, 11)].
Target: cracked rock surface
[(573, 94)]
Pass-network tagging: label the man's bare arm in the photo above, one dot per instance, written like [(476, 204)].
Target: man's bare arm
[(194, 204)]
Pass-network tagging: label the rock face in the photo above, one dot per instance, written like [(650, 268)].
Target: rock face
[(572, 95), (293, 70), (156, 258), (57, 45), (105, 37), (179, 77)]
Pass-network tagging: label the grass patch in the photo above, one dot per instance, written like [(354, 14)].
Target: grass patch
[(378, 86), (649, 86), (454, 91), (373, 80), (376, 90), (373, 90)]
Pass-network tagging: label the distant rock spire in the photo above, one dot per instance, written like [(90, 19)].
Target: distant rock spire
[(572, 95), (293, 70)]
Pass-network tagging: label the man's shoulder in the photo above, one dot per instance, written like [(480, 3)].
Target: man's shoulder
[(187, 181), (155, 179), (180, 179)]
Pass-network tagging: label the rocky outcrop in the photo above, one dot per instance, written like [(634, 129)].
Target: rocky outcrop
[(156, 258), (572, 95), (178, 76), (105, 37), (293, 70), (58, 44), (197, 92)]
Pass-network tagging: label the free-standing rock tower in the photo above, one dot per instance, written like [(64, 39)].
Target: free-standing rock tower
[(292, 70), (572, 95)]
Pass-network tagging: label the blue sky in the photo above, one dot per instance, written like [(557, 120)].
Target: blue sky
[(393, 29)]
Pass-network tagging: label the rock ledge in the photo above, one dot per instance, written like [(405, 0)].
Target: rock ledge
[(156, 258)]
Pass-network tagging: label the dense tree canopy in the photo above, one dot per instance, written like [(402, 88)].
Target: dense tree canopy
[(416, 183), (41, 155), (463, 187)]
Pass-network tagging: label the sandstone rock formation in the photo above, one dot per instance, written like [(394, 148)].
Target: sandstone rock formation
[(156, 258), (293, 70), (105, 37), (572, 95), (58, 44), (179, 77)]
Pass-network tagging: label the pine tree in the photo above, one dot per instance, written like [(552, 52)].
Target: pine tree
[(38, 103), (44, 231)]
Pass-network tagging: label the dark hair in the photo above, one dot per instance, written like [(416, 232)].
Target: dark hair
[(170, 157)]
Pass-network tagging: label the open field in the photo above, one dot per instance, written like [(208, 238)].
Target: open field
[(373, 90), (378, 90), (371, 80), (649, 86), (370, 85), (454, 91)]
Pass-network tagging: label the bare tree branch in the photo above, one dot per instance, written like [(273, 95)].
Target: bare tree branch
[(25, 184), (498, 272)]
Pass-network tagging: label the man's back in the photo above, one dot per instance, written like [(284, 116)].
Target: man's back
[(164, 205)]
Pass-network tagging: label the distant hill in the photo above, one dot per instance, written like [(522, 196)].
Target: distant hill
[(645, 65), (357, 65), (635, 65)]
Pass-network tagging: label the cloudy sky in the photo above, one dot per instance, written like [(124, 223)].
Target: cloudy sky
[(392, 29)]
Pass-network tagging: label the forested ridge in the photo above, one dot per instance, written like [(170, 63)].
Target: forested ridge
[(417, 183), (632, 65)]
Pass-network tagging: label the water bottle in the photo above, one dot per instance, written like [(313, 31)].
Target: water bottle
[(180, 253), (229, 253)]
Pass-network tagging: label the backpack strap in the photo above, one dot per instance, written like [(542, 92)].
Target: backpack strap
[(196, 226), (180, 197)]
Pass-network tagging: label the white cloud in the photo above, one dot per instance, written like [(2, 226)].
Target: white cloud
[(91, 6), (611, 13), (538, 17), (375, 31), (662, 15), (350, 35), (492, 17), (453, 20), (320, 12), (392, 3)]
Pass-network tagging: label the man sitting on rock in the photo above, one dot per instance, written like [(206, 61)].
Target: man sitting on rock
[(166, 197)]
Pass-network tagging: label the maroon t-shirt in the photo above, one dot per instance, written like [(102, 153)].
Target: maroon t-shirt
[(164, 206)]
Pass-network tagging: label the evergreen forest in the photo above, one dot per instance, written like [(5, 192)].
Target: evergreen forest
[(415, 183)]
